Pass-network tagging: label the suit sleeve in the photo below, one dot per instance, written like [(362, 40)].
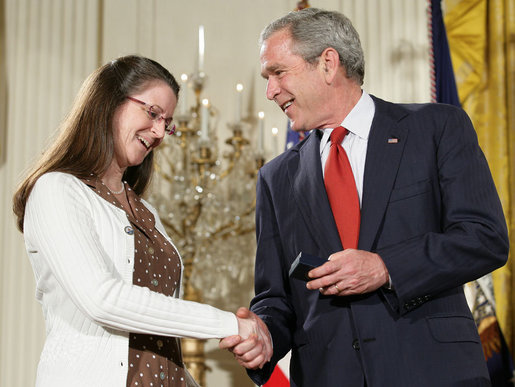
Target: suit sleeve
[(471, 239), (271, 301)]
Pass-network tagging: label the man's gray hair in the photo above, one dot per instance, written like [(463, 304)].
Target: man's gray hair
[(313, 30)]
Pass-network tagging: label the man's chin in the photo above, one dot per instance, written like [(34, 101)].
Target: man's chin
[(297, 128)]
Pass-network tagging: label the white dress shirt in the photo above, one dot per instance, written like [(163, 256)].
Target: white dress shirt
[(358, 123)]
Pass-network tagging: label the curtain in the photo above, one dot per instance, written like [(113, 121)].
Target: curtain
[(481, 37)]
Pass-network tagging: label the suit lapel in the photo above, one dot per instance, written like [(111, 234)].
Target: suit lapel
[(305, 173), (384, 152)]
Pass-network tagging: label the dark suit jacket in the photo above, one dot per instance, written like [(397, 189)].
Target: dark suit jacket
[(429, 209)]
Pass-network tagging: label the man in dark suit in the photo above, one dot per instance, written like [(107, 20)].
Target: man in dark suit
[(389, 311)]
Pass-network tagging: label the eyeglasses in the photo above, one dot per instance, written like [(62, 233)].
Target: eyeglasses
[(156, 114)]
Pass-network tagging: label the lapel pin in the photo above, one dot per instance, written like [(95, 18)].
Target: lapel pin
[(393, 140)]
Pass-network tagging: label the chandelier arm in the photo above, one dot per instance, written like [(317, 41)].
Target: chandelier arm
[(228, 171), (239, 232), (192, 218), (167, 177), (250, 210), (220, 230), (229, 227)]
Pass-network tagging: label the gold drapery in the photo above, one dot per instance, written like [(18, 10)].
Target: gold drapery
[(481, 36)]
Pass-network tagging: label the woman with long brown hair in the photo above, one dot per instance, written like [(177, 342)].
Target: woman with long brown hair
[(107, 275)]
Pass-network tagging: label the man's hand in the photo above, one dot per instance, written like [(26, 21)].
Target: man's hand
[(349, 272), (252, 347)]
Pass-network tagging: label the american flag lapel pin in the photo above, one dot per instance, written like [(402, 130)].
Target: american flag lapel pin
[(393, 140)]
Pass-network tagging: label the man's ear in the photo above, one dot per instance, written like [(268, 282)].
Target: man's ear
[(329, 63)]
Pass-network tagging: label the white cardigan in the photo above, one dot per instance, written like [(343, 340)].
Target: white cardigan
[(83, 261)]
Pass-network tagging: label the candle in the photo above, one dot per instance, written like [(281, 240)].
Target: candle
[(204, 120), (239, 89), (276, 146), (261, 132), (184, 99), (201, 49)]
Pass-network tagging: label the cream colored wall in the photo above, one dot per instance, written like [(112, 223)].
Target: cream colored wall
[(47, 47)]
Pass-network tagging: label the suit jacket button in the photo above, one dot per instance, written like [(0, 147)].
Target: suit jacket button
[(355, 344)]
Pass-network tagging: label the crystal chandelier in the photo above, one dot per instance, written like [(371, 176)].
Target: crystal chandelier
[(206, 201)]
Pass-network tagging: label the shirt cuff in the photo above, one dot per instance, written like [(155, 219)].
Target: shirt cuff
[(389, 285)]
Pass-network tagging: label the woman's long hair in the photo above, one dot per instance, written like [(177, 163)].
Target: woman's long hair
[(85, 143)]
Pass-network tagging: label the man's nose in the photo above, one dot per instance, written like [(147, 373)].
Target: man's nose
[(272, 88)]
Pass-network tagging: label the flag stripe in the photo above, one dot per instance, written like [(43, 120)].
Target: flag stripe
[(278, 379)]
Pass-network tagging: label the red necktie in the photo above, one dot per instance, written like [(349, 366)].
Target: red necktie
[(341, 191)]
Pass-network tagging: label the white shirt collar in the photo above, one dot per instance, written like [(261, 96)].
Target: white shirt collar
[(358, 121)]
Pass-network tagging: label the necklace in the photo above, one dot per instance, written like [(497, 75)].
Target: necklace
[(116, 192)]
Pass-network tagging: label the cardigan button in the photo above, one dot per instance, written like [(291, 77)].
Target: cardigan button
[(129, 230)]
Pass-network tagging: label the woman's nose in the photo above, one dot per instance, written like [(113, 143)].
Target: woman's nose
[(158, 128)]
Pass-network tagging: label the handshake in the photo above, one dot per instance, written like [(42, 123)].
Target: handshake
[(252, 346)]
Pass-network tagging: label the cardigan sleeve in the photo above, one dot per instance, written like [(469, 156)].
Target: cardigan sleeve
[(59, 235)]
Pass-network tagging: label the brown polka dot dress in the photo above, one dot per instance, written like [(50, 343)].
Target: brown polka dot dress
[(153, 360)]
